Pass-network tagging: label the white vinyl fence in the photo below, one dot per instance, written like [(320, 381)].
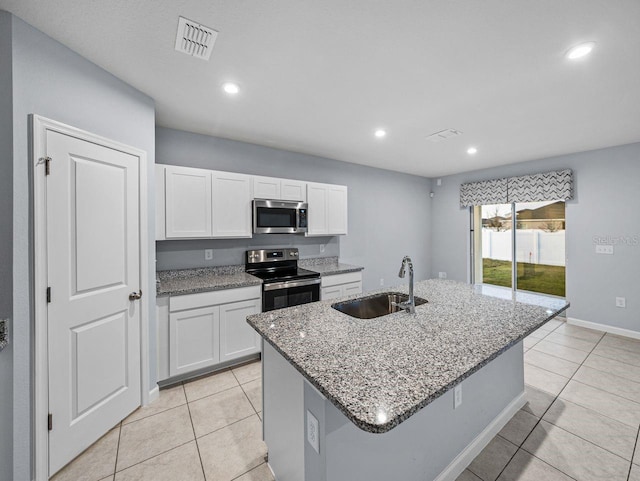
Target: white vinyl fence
[(532, 245)]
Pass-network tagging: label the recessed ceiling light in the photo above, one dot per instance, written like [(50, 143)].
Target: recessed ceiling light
[(472, 151), (231, 88), (380, 133), (580, 51)]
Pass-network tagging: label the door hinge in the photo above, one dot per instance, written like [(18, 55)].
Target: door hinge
[(50, 422), (48, 294), (47, 165)]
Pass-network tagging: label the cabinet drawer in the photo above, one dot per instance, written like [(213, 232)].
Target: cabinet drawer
[(341, 279), (223, 296)]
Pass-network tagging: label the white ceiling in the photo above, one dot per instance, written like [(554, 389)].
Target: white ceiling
[(319, 76)]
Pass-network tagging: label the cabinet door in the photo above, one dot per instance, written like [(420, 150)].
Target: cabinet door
[(332, 292), (188, 202), (266, 188), (193, 339), (237, 338), (352, 288), (231, 204), (337, 209), (293, 190), (317, 200)]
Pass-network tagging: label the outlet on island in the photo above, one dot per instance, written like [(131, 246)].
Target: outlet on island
[(208, 254)]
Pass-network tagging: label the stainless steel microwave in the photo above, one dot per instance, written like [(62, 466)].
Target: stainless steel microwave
[(279, 217)]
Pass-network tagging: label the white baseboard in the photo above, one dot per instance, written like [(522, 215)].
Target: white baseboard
[(603, 328), (154, 394), (462, 460)]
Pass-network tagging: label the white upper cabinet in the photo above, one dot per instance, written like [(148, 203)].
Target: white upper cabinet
[(187, 202), (327, 209), (279, 189), (231, 204), (160, 203)]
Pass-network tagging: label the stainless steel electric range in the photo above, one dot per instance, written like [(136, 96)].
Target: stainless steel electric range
[(284, 284)]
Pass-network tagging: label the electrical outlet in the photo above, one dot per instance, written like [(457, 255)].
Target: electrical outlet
[(621, 302), (457, 396), (313, 436), (604, 249), (208, 254), (321, 248), (439, 182), (442, 275), (381, 281)]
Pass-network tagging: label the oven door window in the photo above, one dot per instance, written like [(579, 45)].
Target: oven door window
[(292, 296), (276, 217)]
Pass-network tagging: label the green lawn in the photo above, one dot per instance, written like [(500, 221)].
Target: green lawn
[(531, 277)]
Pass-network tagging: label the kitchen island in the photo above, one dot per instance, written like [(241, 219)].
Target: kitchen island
[(348, 398)]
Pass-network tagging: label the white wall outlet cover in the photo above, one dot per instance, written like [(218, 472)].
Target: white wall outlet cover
[(381, 281), (208, 254), (621, 302), (457, 396), (604, 249), (313, 434), (442, 275), (321, 248)]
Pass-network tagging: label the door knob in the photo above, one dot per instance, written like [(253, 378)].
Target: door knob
[(134, 296)]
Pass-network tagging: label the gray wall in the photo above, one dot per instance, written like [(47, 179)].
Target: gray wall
[(6, 244), (55, 82), (389, 212), (606, 203)]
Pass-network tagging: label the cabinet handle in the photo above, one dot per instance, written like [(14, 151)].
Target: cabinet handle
[(134, 296)]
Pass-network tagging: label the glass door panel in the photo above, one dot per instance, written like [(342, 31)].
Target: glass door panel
[(540, 247), (494, 242)]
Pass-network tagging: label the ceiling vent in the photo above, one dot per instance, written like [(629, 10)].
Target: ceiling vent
[(443, 135), (195, 39)]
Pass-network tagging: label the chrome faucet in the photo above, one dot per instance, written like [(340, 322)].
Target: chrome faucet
[(409, 305)]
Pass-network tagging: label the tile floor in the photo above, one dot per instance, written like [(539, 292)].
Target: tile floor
[(581, 422)]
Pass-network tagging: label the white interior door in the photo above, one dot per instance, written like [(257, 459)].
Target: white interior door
[(93, 251)]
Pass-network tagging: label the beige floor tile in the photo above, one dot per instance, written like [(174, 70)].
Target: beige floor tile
[(554, 323), (580, 332), (551, 363), (529, 342), (605, 403), (525, 467), (635, 473), (571, 342), (248, 372), (233, 450), (219, 410), (253, 389), (492, 459), (574, 456), (600, 430), (467, 476), (537, 401), (108, 478), (212, 384), (612, 366), (609, 382), (168, 398), (538, 334), (563, 352), (181, 463), (544, 380), (622, 355), (261, 473), (96, 462), (153, 435), (620, 342), (636, 454), (519, 427)]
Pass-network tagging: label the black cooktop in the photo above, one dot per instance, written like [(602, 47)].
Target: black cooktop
[(281, 275)]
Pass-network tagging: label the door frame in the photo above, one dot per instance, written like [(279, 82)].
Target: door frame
[(39, 126)]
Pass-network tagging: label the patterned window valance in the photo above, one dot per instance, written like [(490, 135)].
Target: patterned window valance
[(482, 193), (557, 185)]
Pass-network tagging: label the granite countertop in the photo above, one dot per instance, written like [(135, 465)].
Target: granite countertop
[(379, 372), (328, 266), (193, 281)]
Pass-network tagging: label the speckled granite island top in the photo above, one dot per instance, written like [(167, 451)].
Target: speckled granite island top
[(328, 266), (192, 281), (379, 372)]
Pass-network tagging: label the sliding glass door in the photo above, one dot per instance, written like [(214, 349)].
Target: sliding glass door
[(532, 233)]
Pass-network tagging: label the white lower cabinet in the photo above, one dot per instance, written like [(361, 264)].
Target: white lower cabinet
[(197, 331), (341, 285)]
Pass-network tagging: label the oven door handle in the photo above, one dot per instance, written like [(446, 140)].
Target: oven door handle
[(287, 284)]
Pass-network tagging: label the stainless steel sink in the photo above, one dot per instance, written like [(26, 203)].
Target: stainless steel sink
[(374, 306)]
